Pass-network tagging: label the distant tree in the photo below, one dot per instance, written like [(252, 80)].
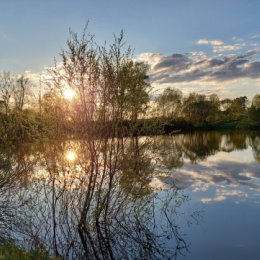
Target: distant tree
[(238, 107), (254, 110), (55, 113), (215, 106), (225, 104), (224, 107), (135, 88), (170, 102), (21, 91), (256, 101), (197, 109), (6, 89), (187, 110), (214, 98), (50, 102)]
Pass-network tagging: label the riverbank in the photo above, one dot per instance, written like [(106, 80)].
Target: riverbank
[(31, 127), (166, 126)]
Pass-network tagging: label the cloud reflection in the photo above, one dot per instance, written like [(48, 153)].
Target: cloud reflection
[(230, 163)]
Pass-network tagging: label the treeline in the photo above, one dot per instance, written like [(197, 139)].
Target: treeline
[(24, 112), (206, 112), (52, 116), (112, 98)]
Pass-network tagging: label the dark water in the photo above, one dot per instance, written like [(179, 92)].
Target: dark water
[(192, 196)]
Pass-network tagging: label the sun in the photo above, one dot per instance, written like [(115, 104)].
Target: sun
[(69, 94), (70, 156)]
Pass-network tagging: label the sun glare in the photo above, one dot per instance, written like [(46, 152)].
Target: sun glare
[(69, 94), (70, 156)]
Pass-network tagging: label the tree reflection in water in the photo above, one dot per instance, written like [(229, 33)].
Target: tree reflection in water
[(94, 199), (97, 206), (171, 151), (255, 144)]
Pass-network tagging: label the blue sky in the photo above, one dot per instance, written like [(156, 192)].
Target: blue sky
[(33, 32)]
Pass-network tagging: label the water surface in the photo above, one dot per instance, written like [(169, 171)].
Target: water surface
[(188, 196)]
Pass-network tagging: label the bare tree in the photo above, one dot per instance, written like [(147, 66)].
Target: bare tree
[(6, 89), (21, 91)]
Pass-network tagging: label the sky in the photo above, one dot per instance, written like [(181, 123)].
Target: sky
[(205, 46)]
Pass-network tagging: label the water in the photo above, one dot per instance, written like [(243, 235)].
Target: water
[(188, 196), (220, 174)]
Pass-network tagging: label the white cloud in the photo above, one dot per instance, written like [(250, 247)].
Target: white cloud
[(223, 194), (216, 199), (228, 74), (216, 42), (235, 38), (210, 42), (203, 42), (219, 46), (231, 47), (149, 57)]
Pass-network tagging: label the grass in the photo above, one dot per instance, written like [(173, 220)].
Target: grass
[(13, 252)]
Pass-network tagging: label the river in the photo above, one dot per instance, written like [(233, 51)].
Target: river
[(187, 196)]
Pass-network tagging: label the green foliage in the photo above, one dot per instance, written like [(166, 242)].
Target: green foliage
[(27, 125), (198, 109), (256, 101), (237, 109), (254, 110), (12, 252), (135, 87), (15, 126), (169, 102), (254, 114)]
